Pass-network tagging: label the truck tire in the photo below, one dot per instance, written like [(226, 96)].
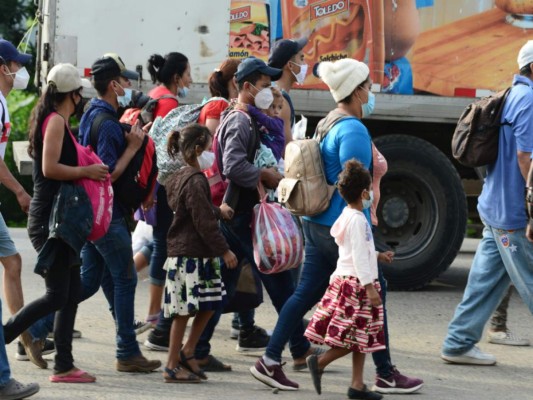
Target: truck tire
[(422, 211)]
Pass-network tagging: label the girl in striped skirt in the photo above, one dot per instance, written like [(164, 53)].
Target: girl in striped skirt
[(349, 318)]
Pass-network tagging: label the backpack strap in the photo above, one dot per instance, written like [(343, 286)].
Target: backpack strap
[(3, 116), (95, 128)]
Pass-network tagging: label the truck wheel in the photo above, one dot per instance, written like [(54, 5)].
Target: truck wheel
[(422, 211)]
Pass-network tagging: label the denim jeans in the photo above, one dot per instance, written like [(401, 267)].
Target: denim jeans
[(164, 217), (108, 262), (502, 256), (279, 287), (41, 328), (321, 253), (62, 294), (5, 372)]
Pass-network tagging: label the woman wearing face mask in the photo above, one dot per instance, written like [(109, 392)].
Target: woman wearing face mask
[(173, 73), (55, 160), (344, 138)]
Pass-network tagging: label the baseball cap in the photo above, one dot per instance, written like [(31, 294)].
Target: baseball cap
[(525, 55), (66, 78), (283, 50), (10, 53), (251, 64), (111, 65)]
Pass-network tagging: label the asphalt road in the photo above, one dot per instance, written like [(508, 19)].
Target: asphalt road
[(418, 322)]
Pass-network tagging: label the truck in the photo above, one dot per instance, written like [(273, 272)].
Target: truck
[(428, 60)]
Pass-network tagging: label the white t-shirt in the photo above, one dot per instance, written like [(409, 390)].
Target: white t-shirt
[(357, 253), (5, 127)]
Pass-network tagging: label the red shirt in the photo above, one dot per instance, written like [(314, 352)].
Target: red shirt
[(212, 110), (163, 106)]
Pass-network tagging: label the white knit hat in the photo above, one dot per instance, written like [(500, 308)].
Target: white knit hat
[(342, 76)]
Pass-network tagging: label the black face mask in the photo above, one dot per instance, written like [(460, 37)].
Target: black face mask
[(78, 107)]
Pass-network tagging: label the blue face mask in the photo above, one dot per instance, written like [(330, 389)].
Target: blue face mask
[(368, 107), (183, 91), (124, 100), (367, 203)]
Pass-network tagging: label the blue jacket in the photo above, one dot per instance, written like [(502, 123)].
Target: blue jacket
[(70, 223)]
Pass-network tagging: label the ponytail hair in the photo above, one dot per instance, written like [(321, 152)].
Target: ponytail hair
[(162, 69), (219, 79), (184, 141)]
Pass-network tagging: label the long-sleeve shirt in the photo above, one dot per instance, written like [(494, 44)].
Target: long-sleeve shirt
[(273, 134)]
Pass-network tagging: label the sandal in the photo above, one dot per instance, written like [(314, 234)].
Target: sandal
[(213, 364), (186, 365), (73, 376), (171, 376), (303, 365)]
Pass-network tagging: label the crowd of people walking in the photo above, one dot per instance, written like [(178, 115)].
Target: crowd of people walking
[(202, 237)]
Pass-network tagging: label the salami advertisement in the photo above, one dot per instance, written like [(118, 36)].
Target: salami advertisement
[(249, 29)]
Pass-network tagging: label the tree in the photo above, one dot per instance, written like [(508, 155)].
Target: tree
[(13, 17)]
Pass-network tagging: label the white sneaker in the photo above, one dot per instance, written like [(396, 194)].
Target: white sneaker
[(506, 338), (234, 334), (474, 356)]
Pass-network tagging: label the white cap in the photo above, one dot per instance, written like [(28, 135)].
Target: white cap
[(342, 76), (66, 78), (525, 55)]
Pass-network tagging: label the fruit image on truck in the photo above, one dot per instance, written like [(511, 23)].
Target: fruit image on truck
[(428, 60)]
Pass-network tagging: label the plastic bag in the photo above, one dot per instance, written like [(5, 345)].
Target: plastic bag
[(277, 240), (299, 129)]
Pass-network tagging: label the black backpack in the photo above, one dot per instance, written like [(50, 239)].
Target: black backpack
[(138, 178)]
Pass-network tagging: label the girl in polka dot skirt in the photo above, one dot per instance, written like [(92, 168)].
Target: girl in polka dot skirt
[(196, 250), (349, 318)]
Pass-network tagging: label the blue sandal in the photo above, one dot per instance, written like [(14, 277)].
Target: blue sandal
[(171, 376)]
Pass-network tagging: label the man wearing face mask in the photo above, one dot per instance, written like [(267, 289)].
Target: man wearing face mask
[(108, 261), (287, 55), (13, 75)]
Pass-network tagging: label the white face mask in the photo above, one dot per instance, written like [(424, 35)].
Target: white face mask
[(21, 79), (206, 160), (367, 203), (263, 98), (300, 76)]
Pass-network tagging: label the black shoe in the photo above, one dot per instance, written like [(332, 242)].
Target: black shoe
[(141, 326), (255, 339), (157, 341), (48, 348), (364, 394)]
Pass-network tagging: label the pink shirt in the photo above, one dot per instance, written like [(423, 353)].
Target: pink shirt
[(379, 165)]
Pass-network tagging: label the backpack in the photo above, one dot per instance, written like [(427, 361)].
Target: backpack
[(162, 127), (475, 140), (100, 193), (139, 177), (144, 114), (305, 191)]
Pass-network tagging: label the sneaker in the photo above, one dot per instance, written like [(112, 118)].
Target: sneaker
[(157, 341), (234, 334), (506, 338), (16, 390), (397, 383), (272, 376), (137, 363), (48, 348), (141, 326), (253, 340), (75, 334), (363, 394), (474, 356), (33, 349)]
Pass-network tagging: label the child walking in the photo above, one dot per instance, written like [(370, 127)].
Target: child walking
[(195, 249), (349, 318)]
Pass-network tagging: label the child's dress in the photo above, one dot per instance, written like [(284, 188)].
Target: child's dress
[(194, 245), (345, 317)]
